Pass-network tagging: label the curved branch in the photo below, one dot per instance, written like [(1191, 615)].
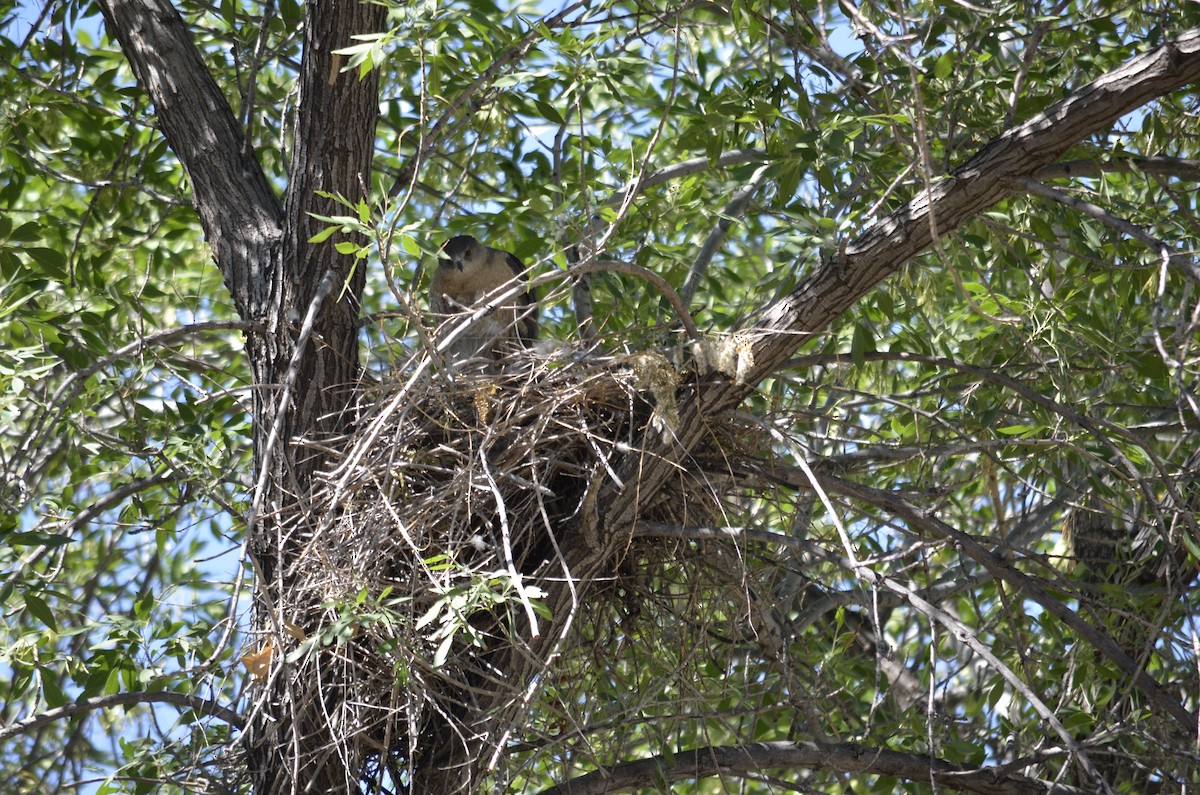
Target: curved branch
[(960, 631), (988, 177), (1003, 570), (1177, 259), (677, 171), (662, 284), (737, 205), (200, 705), (841, 757)]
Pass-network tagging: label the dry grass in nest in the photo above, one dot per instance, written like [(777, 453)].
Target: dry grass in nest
[(445, 511)]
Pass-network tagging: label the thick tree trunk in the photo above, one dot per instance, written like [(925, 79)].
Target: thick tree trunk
[(305, 300), (292, 740), (238, 210)]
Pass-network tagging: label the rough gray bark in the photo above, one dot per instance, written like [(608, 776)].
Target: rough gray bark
[(333, 145), (238, 210), (890, 244), (979, 183)]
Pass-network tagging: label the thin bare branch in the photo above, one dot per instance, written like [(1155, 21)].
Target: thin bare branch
[(687, 168), (841, 757), (1177, 167), (737, 205), (1003, 570), (199, 705)]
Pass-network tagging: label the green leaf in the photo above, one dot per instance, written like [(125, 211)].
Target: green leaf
[(945, 65), (1151, 366), (443, 651), (1018, 430), (323, 235), (548, 111), (861, 344), (38, 608), (431, 614), (48, 262), (34, 538), (51, 691), (25, 233)]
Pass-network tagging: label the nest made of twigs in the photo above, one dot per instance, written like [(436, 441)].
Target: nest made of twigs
[(442, 512)]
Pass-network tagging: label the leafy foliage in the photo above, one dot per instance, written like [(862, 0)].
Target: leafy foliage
[(1037, 364)]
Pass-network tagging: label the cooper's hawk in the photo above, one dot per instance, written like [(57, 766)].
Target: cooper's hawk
[(468, 272)]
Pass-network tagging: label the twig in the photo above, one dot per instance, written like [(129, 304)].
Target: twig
[(256, 59), (66, 391), (451, 119), (961, 631), (737, 206), (281, 412), (510, 565), (1179, 167), (687, 167), (1031, 48)]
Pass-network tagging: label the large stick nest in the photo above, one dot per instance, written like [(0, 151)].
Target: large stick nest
[(441, 519)]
